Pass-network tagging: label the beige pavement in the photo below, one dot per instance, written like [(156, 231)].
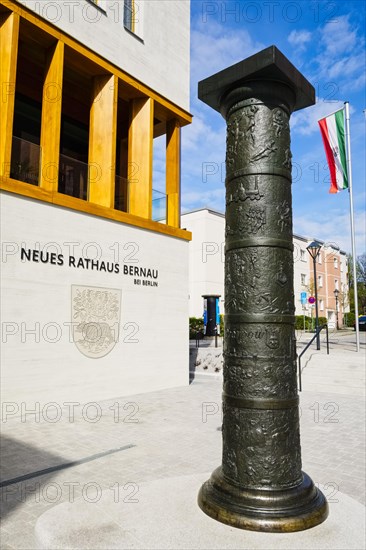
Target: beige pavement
[(130, 450)]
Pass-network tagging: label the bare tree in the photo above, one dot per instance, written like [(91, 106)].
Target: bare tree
[(361, 283)]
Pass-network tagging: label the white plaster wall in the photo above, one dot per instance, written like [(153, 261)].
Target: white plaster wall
[(206, 257), (33, 369), (300, 266), (158, 58)]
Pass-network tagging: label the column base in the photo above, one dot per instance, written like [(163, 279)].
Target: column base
[(274, 511)]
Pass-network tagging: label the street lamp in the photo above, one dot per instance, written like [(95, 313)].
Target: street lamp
[(314, 250), (336, 294)]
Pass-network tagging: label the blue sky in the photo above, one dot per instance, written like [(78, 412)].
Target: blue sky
[(325, 41)]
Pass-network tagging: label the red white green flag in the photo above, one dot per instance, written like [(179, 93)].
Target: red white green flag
[(332, 131)]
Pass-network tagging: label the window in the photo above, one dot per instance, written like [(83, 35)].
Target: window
[(336, 285), (303, 279), (129, 12), (319, 258), (321, 305), (335, 262), (302, 255), (320, 281), (26, 151), (133, 12)]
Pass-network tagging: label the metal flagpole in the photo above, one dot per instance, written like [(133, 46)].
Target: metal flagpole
[(349, 166)]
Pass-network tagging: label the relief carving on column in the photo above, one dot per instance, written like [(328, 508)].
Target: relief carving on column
[(252, 287), (247, 144), (262, 376), (287, 163), (267, 151), (245, 189), (278, 121), (250, 343), (271, 454)]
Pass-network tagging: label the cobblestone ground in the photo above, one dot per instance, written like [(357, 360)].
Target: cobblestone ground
[(120, 443)]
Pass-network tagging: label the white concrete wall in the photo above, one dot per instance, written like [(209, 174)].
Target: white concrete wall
[(159, 57), (206, 258), (152, 351)]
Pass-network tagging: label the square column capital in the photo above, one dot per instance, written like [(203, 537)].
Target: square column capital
[(267, 65)]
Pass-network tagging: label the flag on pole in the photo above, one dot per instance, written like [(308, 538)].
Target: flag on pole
[(335, 131), (333, 135)]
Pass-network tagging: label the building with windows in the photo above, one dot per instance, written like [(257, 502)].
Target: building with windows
[(331, 273), (206, 269), (89, 277)]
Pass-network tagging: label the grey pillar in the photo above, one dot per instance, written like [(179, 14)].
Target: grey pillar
[(260, 485)]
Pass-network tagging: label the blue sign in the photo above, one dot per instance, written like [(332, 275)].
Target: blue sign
[(205, 312), (303, 297), (217, 311)]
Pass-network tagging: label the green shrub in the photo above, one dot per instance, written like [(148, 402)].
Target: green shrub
[(299, 322), (195, 325), (349, 319), (309, 322)]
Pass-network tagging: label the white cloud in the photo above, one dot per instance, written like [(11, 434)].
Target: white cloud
[(338, 37), (306, 122), (333, 226), (215, 47), (196, 133), (203, 158), (341, 56), (347, 66), (212, 198), (355, 84), (299, 39)]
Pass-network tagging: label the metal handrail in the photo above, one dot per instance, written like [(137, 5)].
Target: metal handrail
[(317, 332), (199, 336)]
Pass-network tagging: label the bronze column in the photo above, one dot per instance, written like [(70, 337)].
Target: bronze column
[(260, 485)]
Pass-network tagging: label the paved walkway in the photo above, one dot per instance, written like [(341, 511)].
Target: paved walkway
[(113, 447)]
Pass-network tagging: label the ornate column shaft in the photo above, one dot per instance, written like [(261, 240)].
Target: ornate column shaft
[(260, 485)]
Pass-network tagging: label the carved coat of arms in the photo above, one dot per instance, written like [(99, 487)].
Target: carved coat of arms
[(273, 338), (96, 315)]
